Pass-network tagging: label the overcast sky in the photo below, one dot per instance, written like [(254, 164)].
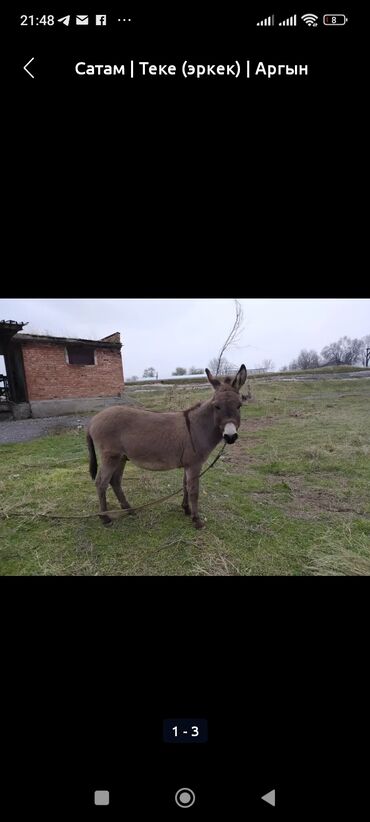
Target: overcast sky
[(170, 333)]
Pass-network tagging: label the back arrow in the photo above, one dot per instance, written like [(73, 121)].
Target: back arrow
[(270, 798), (26, 69)]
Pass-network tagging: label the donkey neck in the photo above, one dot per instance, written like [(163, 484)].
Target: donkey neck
[(205, 434)]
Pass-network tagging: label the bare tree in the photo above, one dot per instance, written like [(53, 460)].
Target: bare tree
[(332, 354), (268, 365), (343, 352), (308, 359), (194, 370), (134, 378), (233, 337), (293, 366), (365, 357), (354, 351), (149, 372), (179, 372), (223, 367)]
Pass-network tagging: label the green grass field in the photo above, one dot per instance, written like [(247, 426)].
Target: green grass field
[(291, 497)]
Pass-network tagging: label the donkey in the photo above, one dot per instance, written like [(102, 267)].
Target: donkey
[(162, 441)]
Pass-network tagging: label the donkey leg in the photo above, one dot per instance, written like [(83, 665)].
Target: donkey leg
[(116, 483), (104, 476), (192, 476), (185, 502)]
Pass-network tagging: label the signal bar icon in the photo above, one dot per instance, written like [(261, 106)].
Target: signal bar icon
[(290, 21), (268, 21)]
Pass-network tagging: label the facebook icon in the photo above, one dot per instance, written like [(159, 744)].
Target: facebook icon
[(101, 19)]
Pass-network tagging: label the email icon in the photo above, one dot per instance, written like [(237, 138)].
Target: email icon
[(82, 19)]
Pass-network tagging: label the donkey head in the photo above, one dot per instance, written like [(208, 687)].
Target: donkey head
[(227, 403)]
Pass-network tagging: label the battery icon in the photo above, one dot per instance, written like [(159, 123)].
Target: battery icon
[(335, 19)]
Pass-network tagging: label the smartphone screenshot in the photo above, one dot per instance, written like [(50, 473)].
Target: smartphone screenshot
[(184, 394)]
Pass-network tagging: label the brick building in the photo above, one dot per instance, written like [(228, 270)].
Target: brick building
[(46, 376)]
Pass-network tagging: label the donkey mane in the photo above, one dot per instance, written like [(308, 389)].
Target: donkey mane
[(187, 420), (192, 408)]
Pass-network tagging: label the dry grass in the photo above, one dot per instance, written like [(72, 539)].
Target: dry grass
[(216, 565), (347, 555)]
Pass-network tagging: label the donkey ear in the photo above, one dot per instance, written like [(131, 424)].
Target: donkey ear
[(240, 378), (213, 380)]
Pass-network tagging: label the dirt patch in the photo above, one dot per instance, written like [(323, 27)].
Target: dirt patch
[(301, 414), (241, 454), (320, 498), (26, 430), (243, 457), (249, 425), (305, 502), (238, 458)]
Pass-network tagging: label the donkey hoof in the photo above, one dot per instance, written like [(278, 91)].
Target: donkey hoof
[(107, 521), (198, 524)]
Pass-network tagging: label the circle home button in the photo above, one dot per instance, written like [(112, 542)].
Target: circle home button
[(185, 798)]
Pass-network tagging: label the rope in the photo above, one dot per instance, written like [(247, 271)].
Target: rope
[(116, 512)]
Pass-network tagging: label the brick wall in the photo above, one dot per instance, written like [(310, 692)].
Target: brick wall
[(49, 376)]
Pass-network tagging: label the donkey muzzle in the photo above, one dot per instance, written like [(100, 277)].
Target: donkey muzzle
[(230, 434), (229, 439)]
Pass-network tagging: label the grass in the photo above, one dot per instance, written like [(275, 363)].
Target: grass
[(291, 497)]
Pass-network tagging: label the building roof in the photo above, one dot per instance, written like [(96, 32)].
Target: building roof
[(11, 326), (8, 329), (46, 339)]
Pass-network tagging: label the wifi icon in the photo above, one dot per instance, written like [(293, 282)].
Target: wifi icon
[(310, 19)]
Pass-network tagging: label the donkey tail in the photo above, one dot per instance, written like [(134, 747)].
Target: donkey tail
[(93, 461)]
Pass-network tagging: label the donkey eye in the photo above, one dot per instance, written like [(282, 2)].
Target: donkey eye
[(218, 407)]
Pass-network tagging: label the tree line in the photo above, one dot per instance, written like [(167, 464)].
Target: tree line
[(345, 351), (152, 373)]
